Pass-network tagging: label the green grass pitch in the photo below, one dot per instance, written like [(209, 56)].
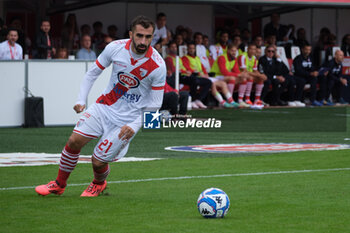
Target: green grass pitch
[(160, 196)]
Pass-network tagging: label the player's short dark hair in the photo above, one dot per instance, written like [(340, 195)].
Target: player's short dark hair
[(143, 21), (305, 45), (196, 34), (172, 42), (230, 46), (191, 43), (252, 44), (224, 32)]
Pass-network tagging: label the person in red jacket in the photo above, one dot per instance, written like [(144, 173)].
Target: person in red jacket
[(226, 68)]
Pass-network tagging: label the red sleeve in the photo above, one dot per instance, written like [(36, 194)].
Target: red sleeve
[(204, 70), (169, 66), (235, 70), (168, 88), (222, 67), (255, 65), (186, 63), (241, 62)]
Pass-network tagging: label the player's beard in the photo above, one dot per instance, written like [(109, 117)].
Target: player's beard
[(141, 48)]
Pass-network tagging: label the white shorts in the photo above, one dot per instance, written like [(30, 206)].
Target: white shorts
[(93, 124), (220, 77), (213, 79)]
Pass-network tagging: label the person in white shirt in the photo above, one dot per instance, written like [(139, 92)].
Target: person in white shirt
[(9, 49), (201, 50), (136, 84), (160, 32), (85, 53), (220, 47)]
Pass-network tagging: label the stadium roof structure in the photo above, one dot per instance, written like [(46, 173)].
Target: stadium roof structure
[(68, 5), (61, 6)]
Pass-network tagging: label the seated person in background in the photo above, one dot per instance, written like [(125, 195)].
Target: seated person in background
[(186, 76), (198, 77), (270, 40), (85, 53), (345, 46), (170, 62), (158, 47), (179, 40), (172, 98), (106, 41), (258, 41), (272, 67), (201, 50), (258, 53), (249, 65), (221, 47), (331, 74), (301, 38), (112, 31), (226, 69), (237, 41), (292, 85), (305, 72), (62, 53)]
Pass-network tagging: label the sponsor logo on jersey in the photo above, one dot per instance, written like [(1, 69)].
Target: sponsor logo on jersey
[(130, 97), (128, 80), (259, 148)]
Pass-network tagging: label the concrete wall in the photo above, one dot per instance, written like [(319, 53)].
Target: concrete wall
[(58, 82)]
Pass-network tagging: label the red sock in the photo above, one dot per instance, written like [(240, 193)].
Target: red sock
[(101, 175), (69, 159)]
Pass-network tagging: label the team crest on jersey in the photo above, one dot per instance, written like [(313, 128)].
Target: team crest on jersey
[(128, 80), (143, 72)]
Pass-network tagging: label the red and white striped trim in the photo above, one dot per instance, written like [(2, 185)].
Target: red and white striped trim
[(67, 160), (99, 65), (102, 160), (84, 134), (158, 88), (70, 155)]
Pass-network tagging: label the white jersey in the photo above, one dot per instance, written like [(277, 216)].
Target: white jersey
[(215, 51), (202, 54), (159, 33), (131, 83), (8, 52)]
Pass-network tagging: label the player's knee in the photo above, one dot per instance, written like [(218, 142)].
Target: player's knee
[(97, 164), (75, 143)]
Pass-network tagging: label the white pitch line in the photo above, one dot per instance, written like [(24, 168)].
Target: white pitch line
[(197, 177)]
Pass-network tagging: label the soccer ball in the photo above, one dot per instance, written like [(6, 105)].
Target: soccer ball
[(213, 203)]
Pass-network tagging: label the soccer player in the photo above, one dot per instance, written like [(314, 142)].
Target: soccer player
[(249, 64), (137, 83), (226, 69)]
